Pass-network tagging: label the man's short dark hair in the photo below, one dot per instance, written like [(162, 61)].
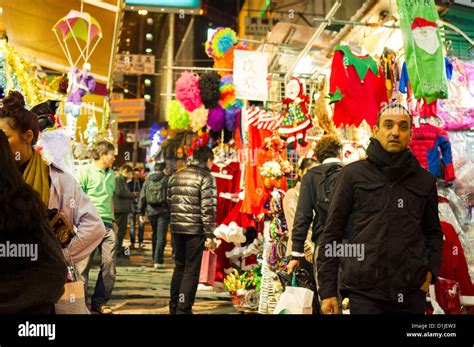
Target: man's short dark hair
[(126, 168), (399, 108), (159, 166), (328, 147), (102, 148), (203, 154)]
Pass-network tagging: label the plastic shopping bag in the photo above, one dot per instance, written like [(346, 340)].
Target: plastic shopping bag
[(295, 300)]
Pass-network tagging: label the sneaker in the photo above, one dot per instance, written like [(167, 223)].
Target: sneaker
[(159, 266), (141, 246), (103, 310)]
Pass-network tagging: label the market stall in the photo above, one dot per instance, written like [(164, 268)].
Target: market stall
[(264, 105)]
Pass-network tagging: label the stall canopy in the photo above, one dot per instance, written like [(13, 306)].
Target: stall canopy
[(28, 25)]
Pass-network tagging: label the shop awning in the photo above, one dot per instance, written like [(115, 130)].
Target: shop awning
[(28, 25)]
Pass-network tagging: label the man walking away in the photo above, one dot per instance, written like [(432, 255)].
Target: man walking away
[(153, 201), (313, 202), (98, 182), (192, 200)]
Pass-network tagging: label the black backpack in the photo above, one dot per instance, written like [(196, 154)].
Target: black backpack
[(157, 191), (324, 188)]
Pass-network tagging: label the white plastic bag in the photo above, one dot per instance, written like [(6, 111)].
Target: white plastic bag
[(295, 300)]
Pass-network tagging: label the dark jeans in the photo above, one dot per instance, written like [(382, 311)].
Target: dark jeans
[(106, 279), (184, 283), (159, 225), (122, 221), (410, 303), (134, 218)]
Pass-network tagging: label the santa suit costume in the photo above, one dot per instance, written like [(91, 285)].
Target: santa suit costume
[(296, 120)]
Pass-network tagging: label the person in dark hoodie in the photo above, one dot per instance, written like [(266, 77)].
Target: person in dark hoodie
[(153, 204), (33, 280), (123, 199), (394, 250)]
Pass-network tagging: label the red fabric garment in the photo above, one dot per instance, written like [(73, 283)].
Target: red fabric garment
[(255, 194), (428, 144), (454, 265), (224, 206), (222, 262), (448, 295), (243, 220), (428, 110), (360, 99)]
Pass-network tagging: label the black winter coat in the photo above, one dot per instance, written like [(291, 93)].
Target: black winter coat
[(395, 220), (192, 200), (123, 198), (306, 211)]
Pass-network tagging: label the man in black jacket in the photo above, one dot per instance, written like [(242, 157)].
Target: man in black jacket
[(394, 251), (192, 200), (311, 208)]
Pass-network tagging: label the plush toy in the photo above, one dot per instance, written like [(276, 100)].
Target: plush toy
[(295, 120)]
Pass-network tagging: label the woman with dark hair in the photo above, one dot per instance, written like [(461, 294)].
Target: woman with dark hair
[(57, 189), (33, 270)]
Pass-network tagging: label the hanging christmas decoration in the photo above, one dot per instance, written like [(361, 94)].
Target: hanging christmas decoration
[(16, 73), (296, 121), (178, 118), (77, 32), (187, 91)]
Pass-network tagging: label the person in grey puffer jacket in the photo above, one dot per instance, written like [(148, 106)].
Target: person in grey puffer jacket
[(192, 200)]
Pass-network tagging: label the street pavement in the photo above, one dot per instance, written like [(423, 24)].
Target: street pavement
[(142, 289)]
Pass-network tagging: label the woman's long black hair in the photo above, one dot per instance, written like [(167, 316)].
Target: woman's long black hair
[(21, 207)]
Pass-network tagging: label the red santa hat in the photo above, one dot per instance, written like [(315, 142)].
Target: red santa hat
[(419, 22)]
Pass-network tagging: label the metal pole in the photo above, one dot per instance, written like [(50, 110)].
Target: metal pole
[(169, 63), (185, 37), (139, 91), (313, 38)]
